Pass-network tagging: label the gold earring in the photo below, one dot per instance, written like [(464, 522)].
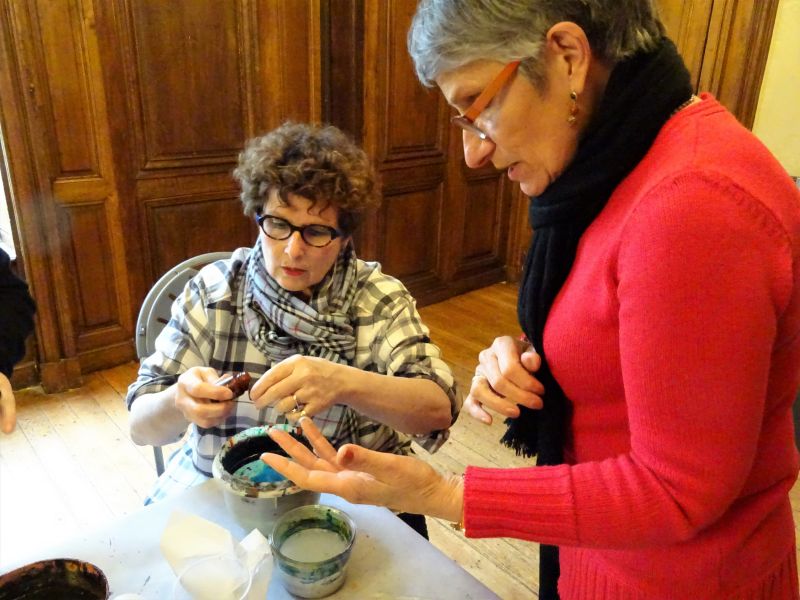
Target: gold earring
[(573, 108)]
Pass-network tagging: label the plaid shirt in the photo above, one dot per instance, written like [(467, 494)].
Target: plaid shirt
[(205, 331)]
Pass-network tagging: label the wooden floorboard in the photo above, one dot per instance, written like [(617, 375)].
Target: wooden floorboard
[(70, 465)]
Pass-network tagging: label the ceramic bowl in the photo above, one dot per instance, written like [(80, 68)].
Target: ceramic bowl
[(311, 547), (63, 578), (254, 493)]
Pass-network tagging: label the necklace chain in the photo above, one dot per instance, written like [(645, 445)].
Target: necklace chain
[(684, 105)]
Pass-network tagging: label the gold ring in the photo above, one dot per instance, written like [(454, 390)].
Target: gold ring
[(296, 403), (302, 414)]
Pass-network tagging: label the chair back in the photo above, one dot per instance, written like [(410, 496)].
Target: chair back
[(157, 308)]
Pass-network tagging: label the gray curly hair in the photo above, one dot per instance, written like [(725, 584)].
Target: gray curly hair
[(447, 34), (318, 162)]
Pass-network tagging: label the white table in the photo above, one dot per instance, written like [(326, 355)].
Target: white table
[(389, 559)]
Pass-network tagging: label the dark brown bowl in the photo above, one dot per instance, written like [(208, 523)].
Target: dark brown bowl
[(55, 579)]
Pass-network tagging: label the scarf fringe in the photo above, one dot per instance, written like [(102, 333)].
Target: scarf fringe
[(520, 446)]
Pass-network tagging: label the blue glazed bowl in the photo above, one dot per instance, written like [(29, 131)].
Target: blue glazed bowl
[(255, 494)]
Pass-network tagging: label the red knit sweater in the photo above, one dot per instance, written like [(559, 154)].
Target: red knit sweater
[(677, 339)]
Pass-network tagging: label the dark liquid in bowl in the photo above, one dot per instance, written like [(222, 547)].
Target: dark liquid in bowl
[(243, 460), (59, 579)]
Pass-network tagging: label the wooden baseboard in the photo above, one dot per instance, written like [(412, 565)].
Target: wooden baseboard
[(107, 356), (61, 375), (25, 375)]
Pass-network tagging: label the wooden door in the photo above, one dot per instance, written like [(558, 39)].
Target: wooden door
[(443, 229), (725, 45), (124, 119)]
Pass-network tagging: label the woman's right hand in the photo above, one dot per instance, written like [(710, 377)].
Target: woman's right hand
[(200, 400), (363, 476), (504, 380)]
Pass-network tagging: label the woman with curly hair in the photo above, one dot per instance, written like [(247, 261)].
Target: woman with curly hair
[(323, 334)]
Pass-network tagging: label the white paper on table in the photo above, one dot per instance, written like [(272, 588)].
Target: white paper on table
[(221, 565)]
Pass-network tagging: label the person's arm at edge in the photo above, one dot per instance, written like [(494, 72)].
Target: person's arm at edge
[(417, 394), (387, 399), (154, 418), (16, 323)]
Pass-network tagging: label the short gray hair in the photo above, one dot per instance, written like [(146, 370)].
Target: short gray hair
[(447, 34)]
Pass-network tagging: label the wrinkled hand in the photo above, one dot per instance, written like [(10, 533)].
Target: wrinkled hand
[(364, 476), (200, 401), (8, 406), (503, 380), (301, 383)]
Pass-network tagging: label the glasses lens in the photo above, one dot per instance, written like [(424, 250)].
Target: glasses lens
[(465, 124), (317, 235), (277, 229)]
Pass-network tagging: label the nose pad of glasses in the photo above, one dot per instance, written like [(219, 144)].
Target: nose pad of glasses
[(295, 241), (478, 150), (466, 125)]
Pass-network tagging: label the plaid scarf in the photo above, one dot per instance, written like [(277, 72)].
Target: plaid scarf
[(281, 324)]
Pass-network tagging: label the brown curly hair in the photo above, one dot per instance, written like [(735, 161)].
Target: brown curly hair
[(318, 162)]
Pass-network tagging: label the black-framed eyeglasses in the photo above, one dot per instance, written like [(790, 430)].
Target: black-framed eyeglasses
[(467, 120), (276, 228)]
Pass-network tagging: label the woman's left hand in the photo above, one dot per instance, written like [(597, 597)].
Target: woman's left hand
[(300, 386), (364, 476)]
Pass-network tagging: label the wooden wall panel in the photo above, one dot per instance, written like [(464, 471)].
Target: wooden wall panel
[(342, 66), (65, 49), (92, 295), (235, 69), (129, 116), (736, 54), (413, 115), (288, 62), (122, 120), (410, 240), (93, 282), (725, 45), (190, 83), (192, 216), (428, 194), (22, 129), (485, 220), (478, 223), (687, 23)]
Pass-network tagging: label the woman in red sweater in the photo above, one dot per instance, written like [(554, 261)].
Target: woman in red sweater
[(661, 298)]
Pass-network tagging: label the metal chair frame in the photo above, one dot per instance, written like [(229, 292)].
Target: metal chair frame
[(156, 308)]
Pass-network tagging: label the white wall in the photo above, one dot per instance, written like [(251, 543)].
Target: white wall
[(777, 121)]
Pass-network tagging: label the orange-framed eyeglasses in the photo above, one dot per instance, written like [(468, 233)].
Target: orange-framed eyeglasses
[(467, 120)]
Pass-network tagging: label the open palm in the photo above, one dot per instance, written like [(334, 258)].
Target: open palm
[(363, 476)]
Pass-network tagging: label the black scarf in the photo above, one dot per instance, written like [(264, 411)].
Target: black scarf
[(641, 95)]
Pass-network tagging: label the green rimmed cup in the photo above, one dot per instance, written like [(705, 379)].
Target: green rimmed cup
[(311, 547)]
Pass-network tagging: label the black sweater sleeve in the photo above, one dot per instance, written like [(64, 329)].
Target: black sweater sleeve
[(16, 316)]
